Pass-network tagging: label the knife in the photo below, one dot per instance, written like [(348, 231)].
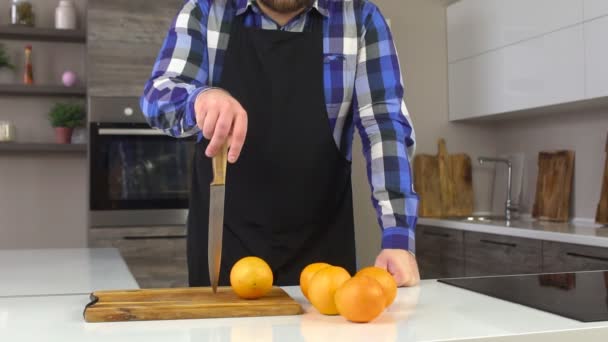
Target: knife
[(217, 192)]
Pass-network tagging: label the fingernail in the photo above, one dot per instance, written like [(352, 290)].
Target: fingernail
[(232, 158)]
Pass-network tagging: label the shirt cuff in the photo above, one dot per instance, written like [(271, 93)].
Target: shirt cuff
[(190, 119), (399, 238)]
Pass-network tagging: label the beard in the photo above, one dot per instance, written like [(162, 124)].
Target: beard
[(287, 6)]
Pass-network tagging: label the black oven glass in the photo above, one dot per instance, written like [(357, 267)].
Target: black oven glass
[(131, 168)]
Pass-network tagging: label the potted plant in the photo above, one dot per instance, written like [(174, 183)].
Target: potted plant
[(64, 117), (7, 69)]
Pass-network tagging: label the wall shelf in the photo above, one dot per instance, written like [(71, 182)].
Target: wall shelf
[(41, 90), (18, 32), (42, 147)]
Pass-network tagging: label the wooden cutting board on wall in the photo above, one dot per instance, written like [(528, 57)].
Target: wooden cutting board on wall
[(444, 183), (602, 208), (185, 303), (554, 186)]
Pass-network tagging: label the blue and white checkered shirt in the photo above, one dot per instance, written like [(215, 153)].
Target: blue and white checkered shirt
[(363, 89)]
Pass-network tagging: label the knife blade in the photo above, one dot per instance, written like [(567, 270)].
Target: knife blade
[(217, 192)]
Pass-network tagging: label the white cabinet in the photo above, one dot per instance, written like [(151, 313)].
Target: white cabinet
[(596, 53), (478, 26), (538, 72), (595, 8)]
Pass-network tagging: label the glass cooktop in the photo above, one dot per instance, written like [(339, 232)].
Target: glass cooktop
[(582, 296)]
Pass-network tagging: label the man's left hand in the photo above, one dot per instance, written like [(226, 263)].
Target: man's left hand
[(401, 264)]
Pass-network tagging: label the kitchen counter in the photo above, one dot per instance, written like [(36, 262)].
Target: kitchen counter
[(574, 233), (34, 272), (430, 312)]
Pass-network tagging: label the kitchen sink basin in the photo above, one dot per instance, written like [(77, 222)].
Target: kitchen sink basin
[(476, 218)]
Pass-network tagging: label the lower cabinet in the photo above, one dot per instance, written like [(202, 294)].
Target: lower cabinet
[(440, 252), (155, 255), (489, 254), (449, 253), (561, 257)]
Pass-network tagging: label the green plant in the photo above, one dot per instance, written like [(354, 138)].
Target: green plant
[(25, 12), (67, 115), (4, 59)]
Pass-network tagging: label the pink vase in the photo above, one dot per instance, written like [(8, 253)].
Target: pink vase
[(63, 135)]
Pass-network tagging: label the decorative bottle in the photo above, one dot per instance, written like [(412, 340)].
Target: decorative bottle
[(28, 75)]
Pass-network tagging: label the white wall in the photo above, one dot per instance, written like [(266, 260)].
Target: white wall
[(419, 29)]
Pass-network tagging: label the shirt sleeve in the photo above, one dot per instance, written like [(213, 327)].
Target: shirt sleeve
[(180, 73), (386, 131)]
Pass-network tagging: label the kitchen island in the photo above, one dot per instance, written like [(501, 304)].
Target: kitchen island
[(429, 312)]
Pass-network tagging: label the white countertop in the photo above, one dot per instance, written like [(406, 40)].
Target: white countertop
[(575, 233), (430, 312), (33, 272)]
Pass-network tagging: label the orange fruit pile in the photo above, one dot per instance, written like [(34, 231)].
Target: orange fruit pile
[(362, 298), (251, 278)]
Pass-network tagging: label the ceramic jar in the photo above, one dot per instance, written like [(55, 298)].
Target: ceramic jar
[(65, 15)]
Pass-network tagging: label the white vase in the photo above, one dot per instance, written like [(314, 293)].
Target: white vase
[(7, 76), (65, 15)]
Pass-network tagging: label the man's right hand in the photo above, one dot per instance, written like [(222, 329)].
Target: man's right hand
[(222, 120)]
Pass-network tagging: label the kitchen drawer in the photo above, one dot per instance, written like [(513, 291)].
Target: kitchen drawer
[(440, 252), (489, 254), (156, 256), (561, 257)]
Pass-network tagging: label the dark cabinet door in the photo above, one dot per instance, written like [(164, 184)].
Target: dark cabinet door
[(488, 254), (123, 40), (562, 257), (439, 252)]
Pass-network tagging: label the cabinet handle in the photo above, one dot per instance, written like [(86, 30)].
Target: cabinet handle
[(155, 237), (506, 244), (576, 255), (443, 235)]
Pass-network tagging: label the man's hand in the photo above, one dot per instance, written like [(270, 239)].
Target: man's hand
[(222, 120), (401, 264)]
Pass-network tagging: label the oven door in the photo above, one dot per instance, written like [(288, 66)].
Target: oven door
[(134, 167)]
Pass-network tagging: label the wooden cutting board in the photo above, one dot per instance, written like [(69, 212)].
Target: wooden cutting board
[(185, 303), (426, 183), (602, 208), (554, 186), (444, 184)]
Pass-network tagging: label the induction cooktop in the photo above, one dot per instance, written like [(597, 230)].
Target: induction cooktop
[(582, 296)]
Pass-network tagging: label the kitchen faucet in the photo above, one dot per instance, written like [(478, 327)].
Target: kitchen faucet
[(509, 207)]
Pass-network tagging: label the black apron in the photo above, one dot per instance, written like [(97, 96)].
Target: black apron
[(289, 197)]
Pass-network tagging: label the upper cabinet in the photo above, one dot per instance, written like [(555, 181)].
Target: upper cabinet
[(478, 26), (595, 8), (516, 55), (124, 38), (537, 72), (596, 53)]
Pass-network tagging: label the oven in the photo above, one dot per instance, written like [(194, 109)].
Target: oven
[(138, 176)]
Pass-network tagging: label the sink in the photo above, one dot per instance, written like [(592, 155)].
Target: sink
[(482, 219), (475, 218)]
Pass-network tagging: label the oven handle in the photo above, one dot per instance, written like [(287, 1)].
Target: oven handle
[(131, 131), (155, 237)]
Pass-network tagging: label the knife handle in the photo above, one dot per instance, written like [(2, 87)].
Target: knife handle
[(219, 164)]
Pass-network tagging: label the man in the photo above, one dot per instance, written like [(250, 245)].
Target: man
[(284, 83)]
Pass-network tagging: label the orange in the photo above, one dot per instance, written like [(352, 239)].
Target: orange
[(307, 274), (386, 280), (323, 286), (360, 299), (251, 278)]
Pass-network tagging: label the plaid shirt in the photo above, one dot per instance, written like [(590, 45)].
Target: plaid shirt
[(363, 89)]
